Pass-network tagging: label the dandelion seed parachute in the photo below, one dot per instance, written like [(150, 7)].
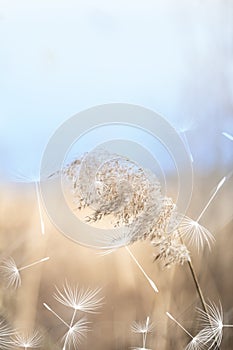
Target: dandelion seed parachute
[(27, 340), (195, 234), (76, 334), (197, 342), (212, 321), (6, 334), (11, 273), (79, 299), (142, 328), (35, 180)]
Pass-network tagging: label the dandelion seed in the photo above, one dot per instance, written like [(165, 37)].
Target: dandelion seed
[(213, 324), (226, 134), (75, 332), (152, 284), (149, 280), (42, 225), (5, 336), (219, 185), (197, 342), (35, 180), (187, 145), (79, 299), (122, 239), (11, 273), (186, 125), (143, 328), (195, 233), (27, 341), (116, 240), (55, 314)]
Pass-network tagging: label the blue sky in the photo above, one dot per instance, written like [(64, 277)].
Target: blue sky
[(60, 57)]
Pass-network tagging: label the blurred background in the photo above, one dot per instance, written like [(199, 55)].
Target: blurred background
[(59, 58)]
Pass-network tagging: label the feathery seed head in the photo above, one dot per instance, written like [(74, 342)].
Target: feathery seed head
[(195, 234), (5, 336), (197, 342), (76, 333), (10, 273), (79, 299), (26, 340), (142, 327), (212, 321), (171, 251), (111, 184)]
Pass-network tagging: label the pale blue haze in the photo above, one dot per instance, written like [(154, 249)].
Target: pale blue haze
[(60, 57)]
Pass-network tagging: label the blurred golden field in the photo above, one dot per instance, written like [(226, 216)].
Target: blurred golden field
[(127, 295)]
